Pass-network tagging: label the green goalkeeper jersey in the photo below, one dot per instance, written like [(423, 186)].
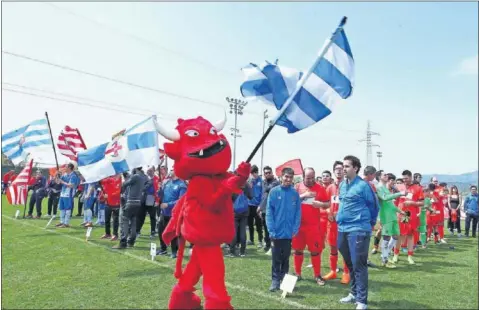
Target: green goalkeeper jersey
[(388, 211)]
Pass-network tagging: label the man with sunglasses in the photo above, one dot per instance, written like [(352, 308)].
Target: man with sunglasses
[(269, 182)]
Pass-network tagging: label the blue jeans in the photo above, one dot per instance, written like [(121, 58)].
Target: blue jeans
[(281, 252), (354, 247)]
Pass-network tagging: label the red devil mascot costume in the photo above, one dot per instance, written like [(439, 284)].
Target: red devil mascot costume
[(204, 216)]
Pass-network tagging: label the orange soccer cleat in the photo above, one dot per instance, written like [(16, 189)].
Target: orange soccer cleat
[(346, 278), (330, 276)]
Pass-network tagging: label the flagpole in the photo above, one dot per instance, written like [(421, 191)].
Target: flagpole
[(53, 143), (26, 196), (300, 84)]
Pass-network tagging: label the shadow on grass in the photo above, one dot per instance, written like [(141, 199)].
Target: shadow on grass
[(145, 272), (398, 304)]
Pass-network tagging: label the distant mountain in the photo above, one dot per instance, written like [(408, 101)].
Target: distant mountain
[(470, 177), (462, 181)]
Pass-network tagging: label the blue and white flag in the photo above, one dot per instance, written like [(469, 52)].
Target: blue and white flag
[(30, 139), (136, 147), (313, 94)]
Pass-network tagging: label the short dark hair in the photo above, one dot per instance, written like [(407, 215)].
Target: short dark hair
[(267, 168), (71, 166), (337, 162), (443, 184), (354, 161), (378, 174), (327, 171), (473, 186), (400, 180), (416, 175), (287, 170), (368, 170), (254, 169), (390, 176), (431, 186), (407, 172)]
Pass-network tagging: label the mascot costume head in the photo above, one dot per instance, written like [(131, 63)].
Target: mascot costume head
[(197, 147)]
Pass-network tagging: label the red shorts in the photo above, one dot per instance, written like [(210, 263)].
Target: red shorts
[(410, 227), (333, 234), (308, 236)]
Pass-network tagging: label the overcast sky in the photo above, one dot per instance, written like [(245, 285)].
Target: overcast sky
[(416, 73)]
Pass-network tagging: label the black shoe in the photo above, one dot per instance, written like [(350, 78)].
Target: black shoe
[(161, 252), (371, 265), (130, 245), (299, 277), (266, 249), (274, 288), (119, 247)]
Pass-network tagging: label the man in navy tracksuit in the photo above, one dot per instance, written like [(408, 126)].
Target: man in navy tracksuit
[(256, 184), (283, 217), (241, 208), (39, 192)]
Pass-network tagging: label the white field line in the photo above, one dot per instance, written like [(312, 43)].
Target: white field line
[(228, 284)]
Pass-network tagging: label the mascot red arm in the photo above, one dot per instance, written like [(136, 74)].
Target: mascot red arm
[(204, 216)]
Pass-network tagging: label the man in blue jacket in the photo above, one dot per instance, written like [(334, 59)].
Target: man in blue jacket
[(283, 217), (256, 185), (472, 211), (357, 214), (169, 194)]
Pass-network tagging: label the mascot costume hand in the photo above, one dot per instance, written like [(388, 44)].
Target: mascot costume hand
[(204, 216)]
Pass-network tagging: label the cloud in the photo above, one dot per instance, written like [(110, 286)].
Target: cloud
[(468, 66)]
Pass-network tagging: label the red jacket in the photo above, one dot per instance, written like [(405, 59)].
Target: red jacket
[(112, 188)]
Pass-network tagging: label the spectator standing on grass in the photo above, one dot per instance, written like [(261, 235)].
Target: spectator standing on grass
[(112, 190), (53, 197), (472, 211), (101, 203), (169, 194), (283, 218), (241, 209), (134, 187), (38, 193), (254, 220), (269, 182), (70, 182), (357, 214), (148, 203), (89, 196)]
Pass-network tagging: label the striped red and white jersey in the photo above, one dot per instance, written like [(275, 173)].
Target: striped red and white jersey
[(70, 142), (17, 191)]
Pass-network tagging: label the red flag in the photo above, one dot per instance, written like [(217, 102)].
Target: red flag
[(17, 191), (70, 142), (295, 164)]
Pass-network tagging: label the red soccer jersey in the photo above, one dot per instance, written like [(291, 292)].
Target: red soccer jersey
[(309, 214), (112, 187), (333, 194)]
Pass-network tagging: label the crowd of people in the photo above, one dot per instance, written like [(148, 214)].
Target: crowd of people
[(341, 210)]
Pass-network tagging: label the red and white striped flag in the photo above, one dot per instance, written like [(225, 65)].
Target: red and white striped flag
[(17, 191), (70, 142)]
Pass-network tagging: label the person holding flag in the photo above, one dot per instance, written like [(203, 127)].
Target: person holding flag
[(70, 182), (39, 192)]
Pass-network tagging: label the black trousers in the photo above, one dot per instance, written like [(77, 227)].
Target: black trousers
[(53, 204), (280, 266), (267, 240), (128, 224), (254, 220), (240, 235), (151, 210), (36, 199), (474, 219), (112, 213), (164, 220)]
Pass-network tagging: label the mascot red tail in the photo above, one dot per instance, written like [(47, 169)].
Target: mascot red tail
[(204, 216)]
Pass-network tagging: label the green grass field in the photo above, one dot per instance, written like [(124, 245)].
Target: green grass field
[(57, 268)]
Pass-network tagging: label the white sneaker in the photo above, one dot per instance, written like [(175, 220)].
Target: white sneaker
[(348, 299), (260, 245), (309, 266), (410, 260), (269, 252), (443, 241), (395, 258), (361, 306), (374, 251)]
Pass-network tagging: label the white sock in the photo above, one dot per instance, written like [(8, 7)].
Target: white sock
[(392, 244), (385, 250)]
